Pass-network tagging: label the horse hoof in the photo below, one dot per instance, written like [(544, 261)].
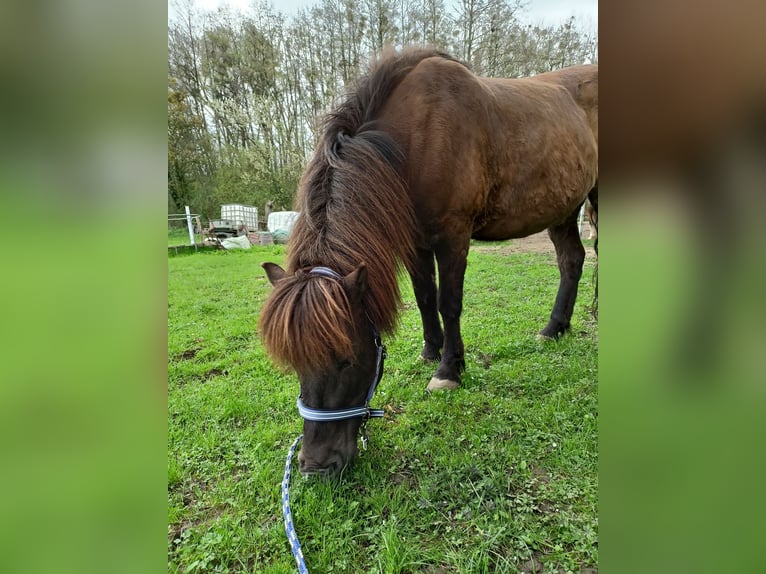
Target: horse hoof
[(424, 359), (441, 385), (543, 337)]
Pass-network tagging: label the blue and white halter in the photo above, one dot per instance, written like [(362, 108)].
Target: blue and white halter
[(364, 411)]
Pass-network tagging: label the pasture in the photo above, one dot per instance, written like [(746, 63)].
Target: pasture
[(178, 236), (498, 476)]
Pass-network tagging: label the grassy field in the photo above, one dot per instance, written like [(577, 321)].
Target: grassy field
[(180, 236), (498, 476)]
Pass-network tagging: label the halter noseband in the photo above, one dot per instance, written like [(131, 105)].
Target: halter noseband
[(363, 412)]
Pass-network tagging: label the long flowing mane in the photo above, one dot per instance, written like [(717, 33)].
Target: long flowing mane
[(354, 208)]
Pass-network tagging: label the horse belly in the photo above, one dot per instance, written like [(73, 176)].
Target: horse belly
[(514, 226), (511, 228), (521, 210)]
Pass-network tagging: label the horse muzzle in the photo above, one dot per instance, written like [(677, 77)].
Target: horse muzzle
[(324, 467)]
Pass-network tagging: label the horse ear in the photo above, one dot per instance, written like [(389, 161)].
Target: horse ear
[(274, 272), (356, 281)]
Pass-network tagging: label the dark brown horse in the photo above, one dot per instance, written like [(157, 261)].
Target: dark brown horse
[(421, 157)]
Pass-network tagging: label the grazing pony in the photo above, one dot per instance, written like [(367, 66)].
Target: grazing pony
[(422, 156)]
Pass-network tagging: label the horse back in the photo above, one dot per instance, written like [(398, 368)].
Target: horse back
[(495, 158)]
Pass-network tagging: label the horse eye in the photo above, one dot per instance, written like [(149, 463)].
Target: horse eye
[(343, 365)]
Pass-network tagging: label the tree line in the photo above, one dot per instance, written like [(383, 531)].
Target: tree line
[(246, 92)]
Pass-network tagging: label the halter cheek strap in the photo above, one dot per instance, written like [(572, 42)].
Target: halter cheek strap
[(363, 412)]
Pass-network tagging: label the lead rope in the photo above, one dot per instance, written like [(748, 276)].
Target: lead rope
[(292, 537)]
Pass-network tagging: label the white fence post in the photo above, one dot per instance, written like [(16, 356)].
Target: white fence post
[(189, 225)]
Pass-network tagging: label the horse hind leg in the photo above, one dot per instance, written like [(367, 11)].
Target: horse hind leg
[(570, 255), (593, 198)]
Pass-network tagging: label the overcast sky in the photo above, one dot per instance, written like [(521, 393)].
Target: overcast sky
[(537, 11)]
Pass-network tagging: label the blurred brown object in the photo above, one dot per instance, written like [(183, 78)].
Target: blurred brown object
[(680, 79), (683, 150), (683, 117)]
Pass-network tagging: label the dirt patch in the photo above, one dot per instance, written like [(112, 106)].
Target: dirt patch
[(214, 373), (535, 243), (188, 354), (540, 474), (404, 477), (535, 566), (485, 360), (532, 566)]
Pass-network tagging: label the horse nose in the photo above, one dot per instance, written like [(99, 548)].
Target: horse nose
[(308, 467)]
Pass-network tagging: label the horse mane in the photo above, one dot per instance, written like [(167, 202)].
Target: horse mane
[(354, 208), (306, 321)]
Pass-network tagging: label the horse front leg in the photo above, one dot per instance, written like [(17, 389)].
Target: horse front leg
[(422, 273), (570, 255), (452, 263)]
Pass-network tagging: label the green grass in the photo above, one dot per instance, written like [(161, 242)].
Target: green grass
[(177, 236), (498, 476)]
